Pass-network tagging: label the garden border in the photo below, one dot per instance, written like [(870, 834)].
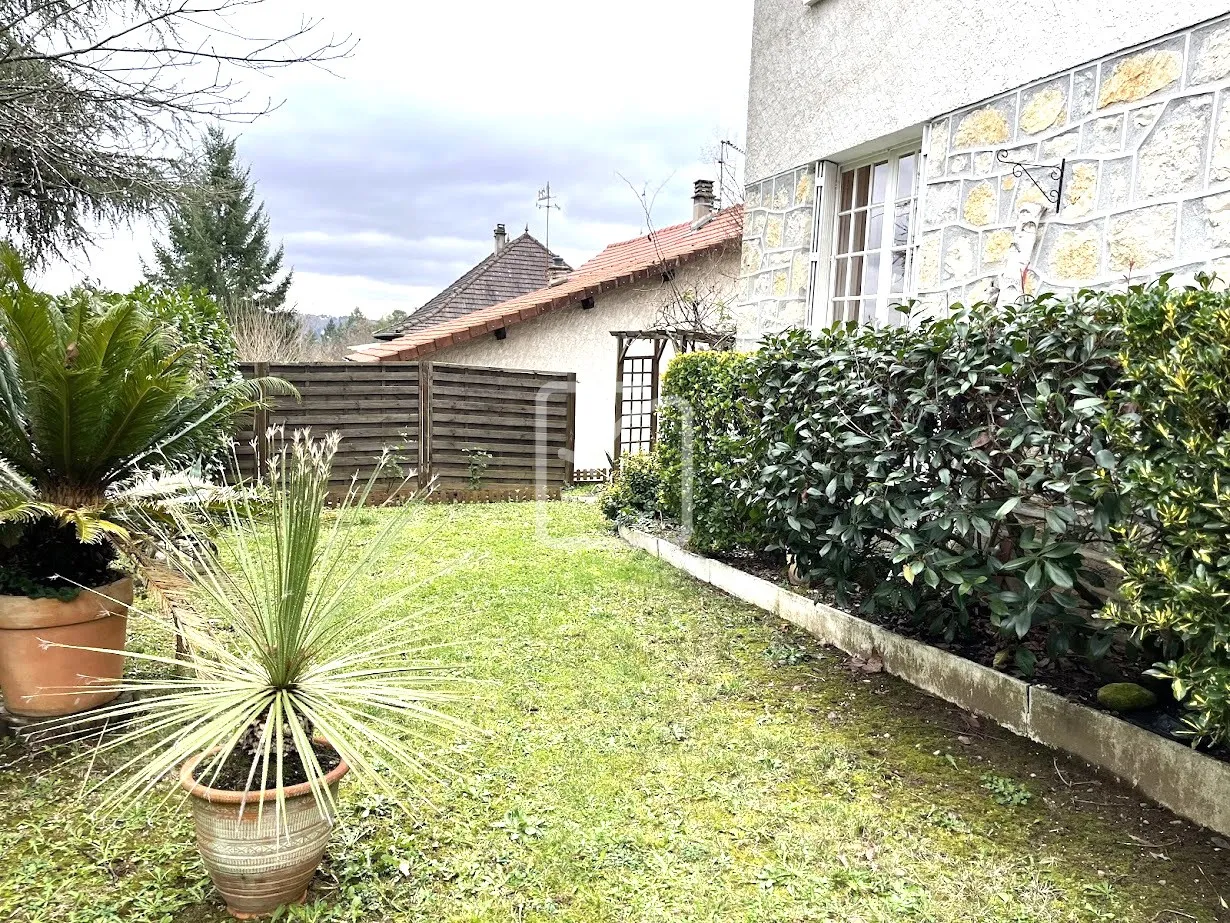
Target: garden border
[(1184, 780)]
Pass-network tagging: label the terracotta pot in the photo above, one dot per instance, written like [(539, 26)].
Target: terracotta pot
[(246, 851), (39, 680)]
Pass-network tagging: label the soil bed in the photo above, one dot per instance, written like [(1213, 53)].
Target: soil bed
[(47, 562), (233, 776)]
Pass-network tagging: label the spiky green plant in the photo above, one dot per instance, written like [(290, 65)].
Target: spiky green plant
[(299, 653), (98, 400)]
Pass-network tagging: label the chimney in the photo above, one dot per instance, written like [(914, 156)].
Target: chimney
[(501, 237), (557, 271), (702, 202)]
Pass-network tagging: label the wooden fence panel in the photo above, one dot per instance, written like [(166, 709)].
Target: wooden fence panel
[(433, 417), (520, 418)]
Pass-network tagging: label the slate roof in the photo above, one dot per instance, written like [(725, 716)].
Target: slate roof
[(617, 265), (520, 267)]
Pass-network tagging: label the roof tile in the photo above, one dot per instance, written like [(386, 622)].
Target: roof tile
[(616, 265), (520, 267)]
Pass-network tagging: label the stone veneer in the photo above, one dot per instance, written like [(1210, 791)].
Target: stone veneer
[(1146, 135), (779, 215)]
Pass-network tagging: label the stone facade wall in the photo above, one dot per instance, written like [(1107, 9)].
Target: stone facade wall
[(1146, 135), (779, 218), (832, 76)]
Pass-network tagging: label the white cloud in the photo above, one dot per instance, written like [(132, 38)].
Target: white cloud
[(384, 185), (314, 293)]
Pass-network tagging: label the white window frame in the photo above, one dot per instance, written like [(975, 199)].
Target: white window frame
[(825, 234)]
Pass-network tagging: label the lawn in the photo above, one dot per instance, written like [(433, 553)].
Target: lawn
[(652, 751)]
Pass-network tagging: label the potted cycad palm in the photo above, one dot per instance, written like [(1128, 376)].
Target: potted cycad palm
[(294, 679), (102, 409)]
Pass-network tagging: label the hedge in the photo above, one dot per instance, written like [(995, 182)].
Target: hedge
[(1172, 426), (712, 387), (949, 470), (975, 472)]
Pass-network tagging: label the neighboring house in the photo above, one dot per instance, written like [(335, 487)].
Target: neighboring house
[(613, 321), (884, 138), (513, 268)]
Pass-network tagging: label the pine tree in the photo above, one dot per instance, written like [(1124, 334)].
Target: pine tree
[(219, 239)]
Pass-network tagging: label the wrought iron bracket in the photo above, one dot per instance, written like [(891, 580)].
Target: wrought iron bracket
[(1027, 170)]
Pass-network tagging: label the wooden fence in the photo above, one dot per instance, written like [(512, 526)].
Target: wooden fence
[(435, 419)]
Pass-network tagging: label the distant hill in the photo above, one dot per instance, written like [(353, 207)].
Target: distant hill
[(316, 323)]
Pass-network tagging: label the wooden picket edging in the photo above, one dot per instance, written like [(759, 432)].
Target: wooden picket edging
[(431, 417)]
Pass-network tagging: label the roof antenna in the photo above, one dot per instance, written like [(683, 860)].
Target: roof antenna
[(722, 165), (548, 201)]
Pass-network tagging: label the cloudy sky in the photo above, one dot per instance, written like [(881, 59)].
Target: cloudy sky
[(385, 181)]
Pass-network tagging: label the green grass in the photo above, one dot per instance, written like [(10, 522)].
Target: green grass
[(654, 751)]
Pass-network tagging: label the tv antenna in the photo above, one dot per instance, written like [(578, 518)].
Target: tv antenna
[(548, 201), (723, 163)]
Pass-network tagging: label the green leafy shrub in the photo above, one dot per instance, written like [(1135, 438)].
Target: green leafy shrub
[(636, 492), (709, 390), (1173, 429), (950, 469), (103, 409), (191, 319)]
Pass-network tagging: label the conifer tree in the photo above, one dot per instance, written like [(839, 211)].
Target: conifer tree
[(218, 240)]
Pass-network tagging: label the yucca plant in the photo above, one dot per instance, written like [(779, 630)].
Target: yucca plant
[(99, 402), (283, 651), (284, 654)]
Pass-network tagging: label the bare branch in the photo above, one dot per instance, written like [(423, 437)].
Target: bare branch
[(98, 97), (699, 312)]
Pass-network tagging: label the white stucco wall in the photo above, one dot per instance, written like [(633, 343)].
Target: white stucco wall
[(829, 77), (580, 341)]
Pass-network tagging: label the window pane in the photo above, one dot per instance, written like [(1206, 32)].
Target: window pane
[(847, 191), (871, 274), (898, 285), (856, 275), (906, 173), (862, 175), (875, 229), (843, 234), (839, 278), (901, 225), (879, 184), (860, 232)]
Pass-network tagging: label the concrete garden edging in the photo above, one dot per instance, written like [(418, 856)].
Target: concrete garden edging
[(1187, 782)]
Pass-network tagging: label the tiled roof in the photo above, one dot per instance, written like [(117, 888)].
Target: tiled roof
[(619, 264), (520, 267)]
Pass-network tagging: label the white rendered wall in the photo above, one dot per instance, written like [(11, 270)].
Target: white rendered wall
[(580, 341)]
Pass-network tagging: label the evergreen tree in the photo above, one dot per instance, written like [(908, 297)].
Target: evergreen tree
[(218, 240)]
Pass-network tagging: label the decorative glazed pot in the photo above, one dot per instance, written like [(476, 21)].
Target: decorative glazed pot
[(247, 852), (39, 679)]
